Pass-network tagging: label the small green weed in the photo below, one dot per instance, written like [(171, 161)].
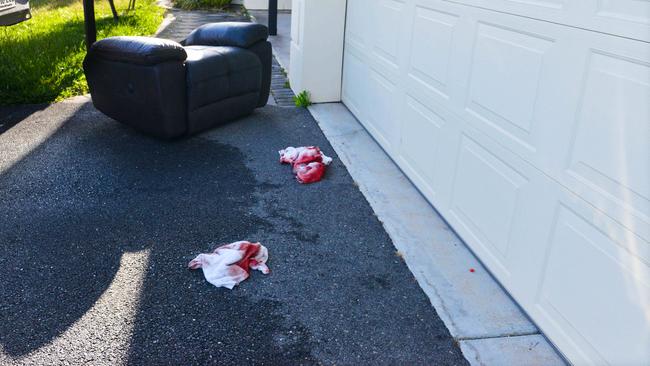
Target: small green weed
[(302, 99)]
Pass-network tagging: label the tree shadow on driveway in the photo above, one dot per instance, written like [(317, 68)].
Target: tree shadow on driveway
[(12, 114)]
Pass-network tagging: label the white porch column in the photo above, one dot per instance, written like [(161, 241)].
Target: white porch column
[(316, 63)]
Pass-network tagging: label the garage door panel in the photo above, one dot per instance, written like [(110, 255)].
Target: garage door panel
[(624, 18), (557, 10), (505, 80), (354, 93), (538, 7), (369, 61), (580, 255), (517, 83), (484, 202), (388, 36), (423, 131), (357, 29), (432, 34), (384, 102), (629, 11), (534, 112), (608, 160), (503, 208)]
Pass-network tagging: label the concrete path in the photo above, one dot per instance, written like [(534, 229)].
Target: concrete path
[(97, 224)]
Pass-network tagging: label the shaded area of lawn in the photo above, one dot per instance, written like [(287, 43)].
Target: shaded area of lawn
[(40, 59)]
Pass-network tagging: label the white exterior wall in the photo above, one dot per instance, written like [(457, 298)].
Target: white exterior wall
[(317, 31)]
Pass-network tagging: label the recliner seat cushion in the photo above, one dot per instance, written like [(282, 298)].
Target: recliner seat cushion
[(215, 73), (220, 80)]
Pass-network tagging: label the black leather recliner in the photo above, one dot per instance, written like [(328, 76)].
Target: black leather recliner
[(165, 89)]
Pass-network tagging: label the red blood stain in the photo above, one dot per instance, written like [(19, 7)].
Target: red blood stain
[(309, 173), (308, 162), (250, 251), (472, 270), (308, 155)]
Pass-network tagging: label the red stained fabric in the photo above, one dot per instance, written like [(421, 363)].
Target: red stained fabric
[(250, 250), (230, 264), (309, 173), (308, 162), (308, 154)]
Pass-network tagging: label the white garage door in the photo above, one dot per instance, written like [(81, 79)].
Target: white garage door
[(527, 124)]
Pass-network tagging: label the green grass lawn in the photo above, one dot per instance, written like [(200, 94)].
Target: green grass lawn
[(201, 4), (40, 59)]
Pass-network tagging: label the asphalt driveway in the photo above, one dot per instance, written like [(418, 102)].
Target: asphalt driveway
[(97, 224)]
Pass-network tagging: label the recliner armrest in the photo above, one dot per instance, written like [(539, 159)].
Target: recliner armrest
[(138, 50), (234, 34)]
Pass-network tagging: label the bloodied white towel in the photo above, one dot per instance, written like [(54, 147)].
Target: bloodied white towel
[(303, 155), (308, 162), (230, 264)]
